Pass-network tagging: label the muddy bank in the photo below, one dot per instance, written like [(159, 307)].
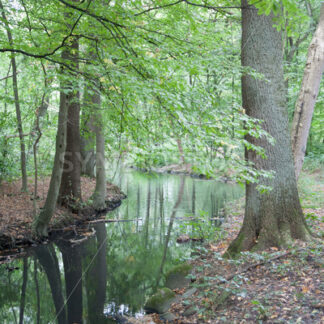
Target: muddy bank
[(17, 211)]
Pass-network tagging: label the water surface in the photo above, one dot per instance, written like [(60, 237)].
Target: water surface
[(111, 273)]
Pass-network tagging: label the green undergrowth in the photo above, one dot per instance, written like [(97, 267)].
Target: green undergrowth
[(311, 188)]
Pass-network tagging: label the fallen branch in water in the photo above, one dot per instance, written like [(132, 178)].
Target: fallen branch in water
[(113, 220)]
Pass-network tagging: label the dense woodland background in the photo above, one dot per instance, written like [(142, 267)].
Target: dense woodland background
[(164, 75), (214, 89), (151, 84)]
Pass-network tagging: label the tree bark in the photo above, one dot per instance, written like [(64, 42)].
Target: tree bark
[(99, 195), (308, 94), (17, 105), (70, 190), (88, 156), (42, 220), (273, 218), (181, 153)]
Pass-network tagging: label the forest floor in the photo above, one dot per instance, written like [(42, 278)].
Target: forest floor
[(17, 210), (275, 286)]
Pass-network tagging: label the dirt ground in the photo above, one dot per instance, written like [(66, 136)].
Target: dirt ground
[(275, 286), (17, 209)]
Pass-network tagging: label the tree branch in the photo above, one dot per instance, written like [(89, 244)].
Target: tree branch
[(17, 135), (87, 12), (159, 7), (13, 50)]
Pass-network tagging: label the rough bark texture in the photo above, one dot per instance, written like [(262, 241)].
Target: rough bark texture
[(70, 190), (88, 156), (273, 218), (99, 195), (307, 96), (17, 106), (43, 219)]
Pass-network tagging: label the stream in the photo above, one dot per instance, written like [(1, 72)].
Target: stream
[(111, 273)]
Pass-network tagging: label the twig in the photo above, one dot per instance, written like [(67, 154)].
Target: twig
[(113, 220), (17, 135), (254, 265)]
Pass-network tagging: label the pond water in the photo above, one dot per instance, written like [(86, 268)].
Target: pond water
[(112, 272)]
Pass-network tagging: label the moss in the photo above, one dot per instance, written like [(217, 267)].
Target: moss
[(235, 248), (183, 269), (176, 276), (160, 301)]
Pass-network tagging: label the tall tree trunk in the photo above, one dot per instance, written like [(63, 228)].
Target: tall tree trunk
[(99, 196), (42, 220), (70, 190), (88, 156), (273, 218), (17, 105), (307, 96)]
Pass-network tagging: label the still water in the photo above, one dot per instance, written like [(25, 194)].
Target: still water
[(111, 273)]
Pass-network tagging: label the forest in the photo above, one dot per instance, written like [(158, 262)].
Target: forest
[(161, 161)]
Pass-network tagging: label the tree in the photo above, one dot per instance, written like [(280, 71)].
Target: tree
[(99, 195), (275, 217), (308, 94), (17, 104), (70, 190), (87, 145), (42, 220)]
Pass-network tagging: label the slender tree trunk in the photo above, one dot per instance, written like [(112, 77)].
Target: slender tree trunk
[(42, 220), (37, 128), (99, 196), (307, 96), (274, 218), (17, 105), (88, 156), (180, 148)]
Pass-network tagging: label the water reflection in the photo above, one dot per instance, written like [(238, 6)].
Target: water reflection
[(113, 271)]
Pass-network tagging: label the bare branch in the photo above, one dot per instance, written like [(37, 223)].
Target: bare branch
[(17, 135), (159, 7)]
